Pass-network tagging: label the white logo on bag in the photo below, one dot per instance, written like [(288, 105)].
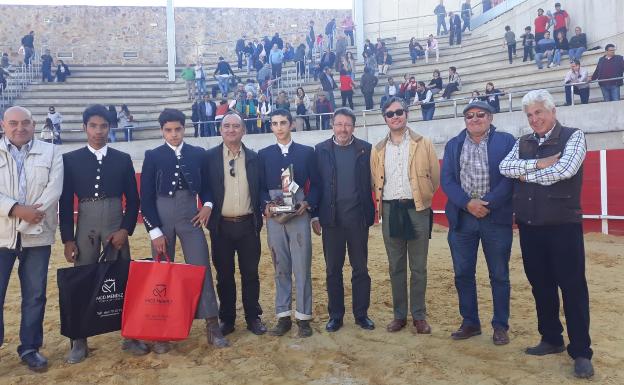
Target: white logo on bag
[(109, 286)]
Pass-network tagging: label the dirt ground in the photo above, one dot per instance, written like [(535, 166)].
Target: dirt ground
[(351, 356)]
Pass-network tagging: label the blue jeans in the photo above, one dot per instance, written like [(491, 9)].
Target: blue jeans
[(415, 54), (576, 53), (200, 84), (496, 242), (223, 84), (540, 55), (558, 54), (33, 274), (427, 113), (441, 23), (610, 93)]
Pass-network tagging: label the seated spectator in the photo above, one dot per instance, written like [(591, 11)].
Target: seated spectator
[(368, 82), (424, 99), (264, 108), (491, 96), (4, 73), (369, 48), (561, 47), (576, 75), (416, 50), (304, 107), (544, 48), (454, 83), (4, 62), (250, 113), (407, 89), (282, 101), (56, 119), (289, 52), (528, 41), (390, 91), (384, 64), (577, 44), (328, 59), (435, 85), (432, 46), (370, 62), (323, 108), (125, 119), (62, 71), (47, 132), (222, 109), (475, 97)]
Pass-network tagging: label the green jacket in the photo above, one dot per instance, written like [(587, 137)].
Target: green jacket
[(188, 74)]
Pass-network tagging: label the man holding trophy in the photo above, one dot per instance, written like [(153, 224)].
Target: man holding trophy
[(289, 191)]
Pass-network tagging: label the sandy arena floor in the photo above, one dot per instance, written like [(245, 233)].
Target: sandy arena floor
[(351, 356)]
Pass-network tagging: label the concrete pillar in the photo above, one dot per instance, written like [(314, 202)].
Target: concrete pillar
[(171, 42), (358, 18)]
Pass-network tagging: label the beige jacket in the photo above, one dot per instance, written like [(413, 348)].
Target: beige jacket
[(44, 183), (424, 170)]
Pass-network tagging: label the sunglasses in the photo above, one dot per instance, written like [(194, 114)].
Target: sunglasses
[(231, 163), (390, 114), (472, 115)]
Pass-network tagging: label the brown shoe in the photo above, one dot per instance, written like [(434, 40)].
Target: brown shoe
[(422, 327), (396, 325), (214, 335), (500, 336), (465, 332)]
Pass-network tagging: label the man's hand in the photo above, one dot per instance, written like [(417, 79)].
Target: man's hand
[(202, 217), (267, 210), (303, 206), (160, 245), (477, 208), (71, 251), (316, 226), (548, 161), (118, 238), (30, 214)]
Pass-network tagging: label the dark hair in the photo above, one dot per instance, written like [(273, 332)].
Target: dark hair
[(48, 123), (111, 108), (575, 61), (527, 28), (124, 108), (609, 46), (437, 71), (507, 28), (422, 84), (171, 115), (302, 90), (346, 112), (95, 110), (453, 68), (394, 99), (282, 112)]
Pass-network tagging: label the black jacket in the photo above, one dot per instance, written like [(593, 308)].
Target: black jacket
[(326, 164), (213, 176), (326, 83)]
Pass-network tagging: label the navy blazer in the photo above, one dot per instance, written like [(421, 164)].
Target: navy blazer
[(499, 198), (159, 172), (304, 167)]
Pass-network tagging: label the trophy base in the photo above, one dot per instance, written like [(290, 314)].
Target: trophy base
[(283, 209)]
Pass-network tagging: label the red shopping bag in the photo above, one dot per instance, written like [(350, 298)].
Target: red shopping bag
[(161, 299)]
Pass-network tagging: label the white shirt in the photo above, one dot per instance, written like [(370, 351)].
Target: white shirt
[(396, 170), (177, 150), (99, 154), (284, 147)]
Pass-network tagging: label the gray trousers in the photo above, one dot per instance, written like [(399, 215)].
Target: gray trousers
[(398, 251), (96, 221), (175, 214), (291, 249)]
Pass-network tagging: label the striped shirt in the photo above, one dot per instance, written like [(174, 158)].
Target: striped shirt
[(396, 170), (474, 167), (566, 167), (19, 155)]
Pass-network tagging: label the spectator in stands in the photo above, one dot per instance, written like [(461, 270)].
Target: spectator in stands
[(277, 40), (440, 13), (341, 50), (390, 91), (330, 31), (222, 109), (46, 67), (188, 74), (329, 85), (466, 13), (385, 63), (200, 79), (528, 40), (276, 58), (264, 109), (435, 85), (304, 107), (240, 49), (475, 97), (577, 44), (348, 26), (207, 110), (289, 53), (609, 66), (346, 89), (299, 59), (222, 73), (47, 132), (369, 49), (3, 81), (62, 71), (264, 73), (544, 48), (380, 48), (310, 38), (424, 99), (432, 46), (56, 119), (250, 112), (561, 47), (348, 64), (250, 58), (125, 119), (510, 42), (250, 86), (562, 20), (576, 83), (328, 59), (323, 107), (282, 101), (4, 62), (403, 87), (491, 96), (28, 42), (455, 29), (112, 120), (415, 49), (370, 62), (454, 83), (368, 82), (541, 24)]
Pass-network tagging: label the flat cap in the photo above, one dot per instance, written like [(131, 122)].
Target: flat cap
[(480, 105)]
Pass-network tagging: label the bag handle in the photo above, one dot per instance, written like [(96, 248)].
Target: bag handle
[(157, 258), (105, 250)]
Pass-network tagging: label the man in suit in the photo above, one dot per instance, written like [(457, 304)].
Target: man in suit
[(289, 235), (171, 181), (31, 180), (345, 212), (100, 177), (233, 176), (207, 111), (329, 85)]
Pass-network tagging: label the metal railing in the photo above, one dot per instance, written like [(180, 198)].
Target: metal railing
[(17, 81)]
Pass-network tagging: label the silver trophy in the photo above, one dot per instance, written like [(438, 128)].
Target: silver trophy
[(284, 199)]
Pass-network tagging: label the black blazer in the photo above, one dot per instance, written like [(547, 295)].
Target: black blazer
[(117, 179), (213, 177)]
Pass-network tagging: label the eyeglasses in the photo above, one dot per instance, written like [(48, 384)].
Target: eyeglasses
[(390, 114), (472, 115), (341, 125), (231, 163)]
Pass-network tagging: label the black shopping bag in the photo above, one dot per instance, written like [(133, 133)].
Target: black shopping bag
[(91, 297)]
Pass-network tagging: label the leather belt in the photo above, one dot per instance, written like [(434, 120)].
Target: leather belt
[(403, 202), (238, 219), (93, 199)]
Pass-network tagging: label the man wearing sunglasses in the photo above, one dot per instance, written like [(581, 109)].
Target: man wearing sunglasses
[(31, 181), (289, 235), (479, 210), (171, 181), (406, 173), (232, 172)]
